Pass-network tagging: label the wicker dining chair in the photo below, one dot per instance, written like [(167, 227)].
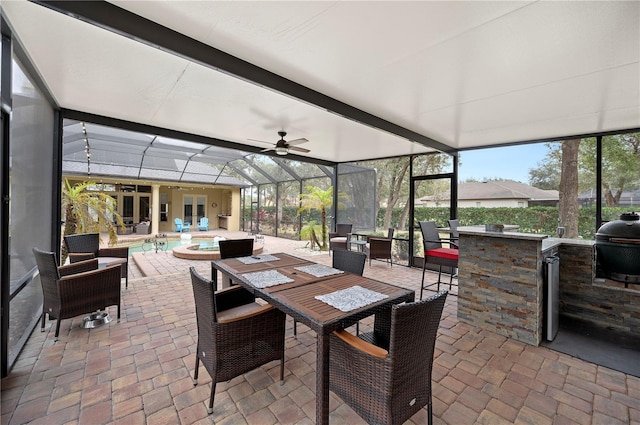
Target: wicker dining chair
[(85, 246), (75, 289), (348, 261), (385, 375), (233, 248), (379, 248), (235, 334)]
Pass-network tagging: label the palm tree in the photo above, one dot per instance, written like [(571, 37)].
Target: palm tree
[(318, 199), (87, 211), (309, 231)]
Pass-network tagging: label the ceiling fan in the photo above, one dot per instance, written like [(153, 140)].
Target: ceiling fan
[(282, 147)]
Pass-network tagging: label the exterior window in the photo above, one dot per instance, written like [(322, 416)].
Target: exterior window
[(520, 204), (164, 206)]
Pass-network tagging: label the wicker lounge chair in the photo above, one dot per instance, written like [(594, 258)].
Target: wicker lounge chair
[(235, 334), (75, 289), (435, 254), (87, 245), (143, 228), (379, 248), (385, 376), (339, 240)]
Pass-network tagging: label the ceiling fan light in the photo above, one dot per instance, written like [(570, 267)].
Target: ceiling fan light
[(281, 150)]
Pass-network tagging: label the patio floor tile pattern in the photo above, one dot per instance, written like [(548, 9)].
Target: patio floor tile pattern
[(139, 371)]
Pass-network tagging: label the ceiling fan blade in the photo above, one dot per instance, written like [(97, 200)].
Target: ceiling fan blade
[(297, 141), (266, 150), (296, 148)]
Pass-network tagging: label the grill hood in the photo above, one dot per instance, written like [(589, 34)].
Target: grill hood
[(628, 227)]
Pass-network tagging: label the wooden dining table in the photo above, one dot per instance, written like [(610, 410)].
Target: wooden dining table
[(298, 300)]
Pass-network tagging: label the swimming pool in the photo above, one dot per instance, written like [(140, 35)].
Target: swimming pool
[(170, 243)]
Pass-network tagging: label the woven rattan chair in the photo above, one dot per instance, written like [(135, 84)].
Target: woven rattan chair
[(385, 376), (87, 245), (233, 248), (339, 240), (235, 334), (435, 253), (348, 261), (75, 289), (379, 248)]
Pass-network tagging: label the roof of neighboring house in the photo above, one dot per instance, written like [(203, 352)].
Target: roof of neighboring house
[(502, 189)]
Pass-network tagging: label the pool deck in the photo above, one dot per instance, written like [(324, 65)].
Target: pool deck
[(138, 371)]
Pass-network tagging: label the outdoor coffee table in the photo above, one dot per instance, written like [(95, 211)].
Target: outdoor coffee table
[(298, 299)]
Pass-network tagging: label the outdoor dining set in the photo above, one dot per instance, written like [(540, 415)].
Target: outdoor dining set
[(384, 375)]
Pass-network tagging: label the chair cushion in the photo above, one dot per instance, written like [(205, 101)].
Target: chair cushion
[(339, 239), (448, 253), (242, 312)]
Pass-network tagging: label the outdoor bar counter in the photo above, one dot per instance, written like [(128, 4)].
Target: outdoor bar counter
[(501, 284)]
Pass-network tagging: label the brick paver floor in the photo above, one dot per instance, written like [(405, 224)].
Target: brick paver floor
[(139, 371)]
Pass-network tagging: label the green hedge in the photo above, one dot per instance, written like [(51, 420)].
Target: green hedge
[(542, 220)]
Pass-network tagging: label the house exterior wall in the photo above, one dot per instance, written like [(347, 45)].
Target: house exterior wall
[(218, 201)]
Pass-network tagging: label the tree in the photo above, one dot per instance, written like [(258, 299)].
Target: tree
[(620, 166), (569, 206), (547, 174), (310, 231), (318, 199), (87, 211), (392, 188)]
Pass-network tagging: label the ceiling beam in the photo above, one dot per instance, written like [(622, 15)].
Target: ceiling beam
[(112, 18)]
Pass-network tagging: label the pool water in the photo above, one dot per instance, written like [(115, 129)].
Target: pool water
[(205, 245)]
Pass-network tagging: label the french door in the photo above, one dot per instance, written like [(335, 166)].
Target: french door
[(194, 208)]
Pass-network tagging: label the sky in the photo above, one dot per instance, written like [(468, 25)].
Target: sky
[(511, 162)]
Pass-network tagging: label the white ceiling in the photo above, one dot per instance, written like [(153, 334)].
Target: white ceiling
[(465, 74)]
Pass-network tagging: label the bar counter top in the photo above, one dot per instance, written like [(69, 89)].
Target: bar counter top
[(480, 231)]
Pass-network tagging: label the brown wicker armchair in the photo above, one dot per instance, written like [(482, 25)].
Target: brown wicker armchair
[(339, 240), (75, 289), (87, 245), (385, 376), (379, 248), (235, 334)]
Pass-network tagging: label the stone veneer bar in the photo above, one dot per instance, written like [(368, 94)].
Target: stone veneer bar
[(501, 283)]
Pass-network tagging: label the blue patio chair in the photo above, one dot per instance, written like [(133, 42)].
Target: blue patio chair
[(181, 227), (203, 224)]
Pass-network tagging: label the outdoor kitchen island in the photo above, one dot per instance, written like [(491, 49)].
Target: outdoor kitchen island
[(501, 284)]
